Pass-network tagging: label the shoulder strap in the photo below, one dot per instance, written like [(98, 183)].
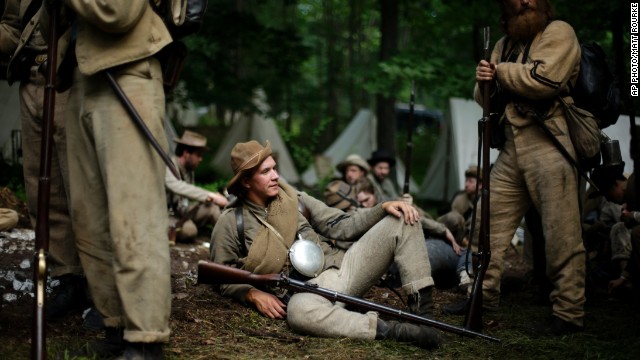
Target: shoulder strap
[(507, 55), (32, 9), (240, 221), (540, 121), (240, 227)]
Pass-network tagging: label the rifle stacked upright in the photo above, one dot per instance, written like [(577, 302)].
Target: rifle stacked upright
[(38, 340), (473, 318)]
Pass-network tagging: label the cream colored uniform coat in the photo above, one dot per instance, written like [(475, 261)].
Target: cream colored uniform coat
[(179, 192), (118, 200), (530, 171)]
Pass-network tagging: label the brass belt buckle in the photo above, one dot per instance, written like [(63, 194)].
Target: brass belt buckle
[(40, 59)]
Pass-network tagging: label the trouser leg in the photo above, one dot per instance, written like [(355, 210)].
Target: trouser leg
[(62, 247), (508, 202), (117, 192), (552, 183), (388, 240)]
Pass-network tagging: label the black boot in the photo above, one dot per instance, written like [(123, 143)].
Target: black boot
[(112, 345), (421, 303), (93, 320), (68, 297), (419, 335), (142, 351), (458, 308)]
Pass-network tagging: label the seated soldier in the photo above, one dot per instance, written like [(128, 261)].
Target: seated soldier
[(186, 218), (353, 168), (8, 219), (465, 200), (272, 222), (617, 188), (381, 163)]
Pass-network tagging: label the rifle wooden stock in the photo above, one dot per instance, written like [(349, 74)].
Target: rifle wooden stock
[(212, 273), (473, 318), (38, 336)]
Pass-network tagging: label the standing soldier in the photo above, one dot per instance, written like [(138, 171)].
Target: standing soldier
[(21, 37), (530, 68), (116, 178)]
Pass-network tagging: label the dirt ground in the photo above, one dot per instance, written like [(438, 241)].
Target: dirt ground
[(206, 326), (200, 320)]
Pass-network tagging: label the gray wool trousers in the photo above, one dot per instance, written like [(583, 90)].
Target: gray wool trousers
[(363, 265)]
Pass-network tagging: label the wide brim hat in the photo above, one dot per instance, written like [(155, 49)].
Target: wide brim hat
[(245, 157), (193, 139), (605, 176), (472, 171), (353, 159), (381, 155)]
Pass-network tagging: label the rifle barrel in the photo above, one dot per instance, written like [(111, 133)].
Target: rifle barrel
[(473, 318), (369, 305), (38, 341), (213, 273)]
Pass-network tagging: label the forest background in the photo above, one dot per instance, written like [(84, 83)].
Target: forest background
[(320, 61)]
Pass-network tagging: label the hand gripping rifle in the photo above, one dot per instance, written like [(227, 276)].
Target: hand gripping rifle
[(213, 273), (407, 163), (38, 338), (473, 318)]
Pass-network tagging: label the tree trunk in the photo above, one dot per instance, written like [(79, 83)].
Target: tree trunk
[(333, 70), (385, 107)]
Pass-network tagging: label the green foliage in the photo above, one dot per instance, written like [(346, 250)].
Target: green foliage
[(318, 60), (11, 176), (298, 140)]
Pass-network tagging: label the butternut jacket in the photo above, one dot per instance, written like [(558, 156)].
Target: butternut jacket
[(553, 61), (324, 223), (114, 32), (10, 26), (180, 191), (14, 37)]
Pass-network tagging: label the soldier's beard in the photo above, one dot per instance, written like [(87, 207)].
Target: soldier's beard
[(525, 25)]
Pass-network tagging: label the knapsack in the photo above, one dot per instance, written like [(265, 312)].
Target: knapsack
[(182, 17), (596, 89)]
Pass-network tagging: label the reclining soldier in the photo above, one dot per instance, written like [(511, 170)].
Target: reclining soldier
[(273, 215)]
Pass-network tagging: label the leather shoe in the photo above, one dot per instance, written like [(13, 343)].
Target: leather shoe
[(458, 308), (418, 335), (142, 351), (92, 319), (112, 345), (556, 326), (68, 297)]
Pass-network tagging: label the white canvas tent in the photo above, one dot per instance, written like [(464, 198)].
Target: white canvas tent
[(9, 117), (261, 129), (358, 138), (458, 148)]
